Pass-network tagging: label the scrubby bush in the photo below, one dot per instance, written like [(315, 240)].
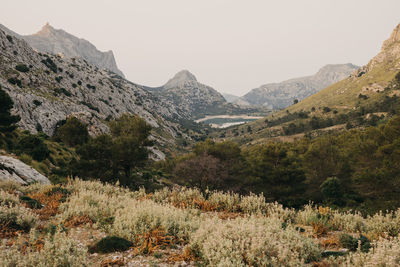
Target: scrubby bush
[(58, 250), (110, 244), (385, 252), (144, 216), (17, 218), (7, 199), (48, 62), (22, 68), (34, 146), (252, 241), (15, 81)]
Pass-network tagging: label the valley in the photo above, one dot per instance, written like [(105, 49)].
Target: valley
[(224, 121), (97, 170)]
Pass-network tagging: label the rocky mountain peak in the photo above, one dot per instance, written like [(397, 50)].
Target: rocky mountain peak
[(58, 41), (394, 38), (180, 78), (390, 52), (46, 29)]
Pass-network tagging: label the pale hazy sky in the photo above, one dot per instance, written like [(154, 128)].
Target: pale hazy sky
[(232, 45)]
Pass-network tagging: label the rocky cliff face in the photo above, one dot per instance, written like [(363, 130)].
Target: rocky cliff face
[(50, 40), (194, 99), (46, 89), (15, 170), (390, 52), (282, 95)]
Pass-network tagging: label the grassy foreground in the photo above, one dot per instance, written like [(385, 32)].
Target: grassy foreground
[(87, 223)]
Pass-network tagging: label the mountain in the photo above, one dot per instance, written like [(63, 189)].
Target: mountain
[(47, 88), (50, 40), (281, 95), (369, 80), (194, 99), (229, 97), (370, 95)]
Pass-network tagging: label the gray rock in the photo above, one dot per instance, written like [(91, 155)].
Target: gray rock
[(15, 170)]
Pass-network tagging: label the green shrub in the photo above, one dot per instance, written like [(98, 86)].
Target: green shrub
[(110, 244), (48, 62), (22, 68), (15, 81), (33, 146), (17, 218), (32, 203), (58, 91), (73, 132), (351, 243), (59, 78), (10, 39), (37, 102)]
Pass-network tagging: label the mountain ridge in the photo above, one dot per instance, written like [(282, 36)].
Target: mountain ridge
[(283, 94), (58, 41), (195, 99)]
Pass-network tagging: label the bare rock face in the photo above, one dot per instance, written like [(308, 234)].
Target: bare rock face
[(52, 88), (15, 170), (282, 95), (390, 52), (50, 40)]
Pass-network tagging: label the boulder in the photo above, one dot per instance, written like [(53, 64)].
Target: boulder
[(15, 170)]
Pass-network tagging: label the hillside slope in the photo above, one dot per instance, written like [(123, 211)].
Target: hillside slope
[(368, 95), (47, 88), (369, 80), (281, 95), (54, 41)]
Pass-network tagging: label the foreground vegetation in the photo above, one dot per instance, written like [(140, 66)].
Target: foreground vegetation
[(172, 226)]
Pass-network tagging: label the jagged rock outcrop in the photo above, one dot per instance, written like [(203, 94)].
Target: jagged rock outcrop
[(15, 170), (54, 41), (194, 99), (50, 88), (390, 52), (282, 95)]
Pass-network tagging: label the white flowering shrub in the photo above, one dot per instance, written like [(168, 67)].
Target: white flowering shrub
[(143, 216), (9, 186), (184, 197), (224, 201), (17, 217), (385, 252), (35, 187), (382, 224), (252, 241), (58, 250), (97, 206), (7, 199)]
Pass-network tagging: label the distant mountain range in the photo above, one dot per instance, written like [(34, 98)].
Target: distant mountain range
[(283, 94), (50, 40)]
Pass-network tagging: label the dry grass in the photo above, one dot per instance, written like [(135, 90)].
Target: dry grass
[(51, 204), (110, 262), (187, 256), (151, 241), (76, 221)]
